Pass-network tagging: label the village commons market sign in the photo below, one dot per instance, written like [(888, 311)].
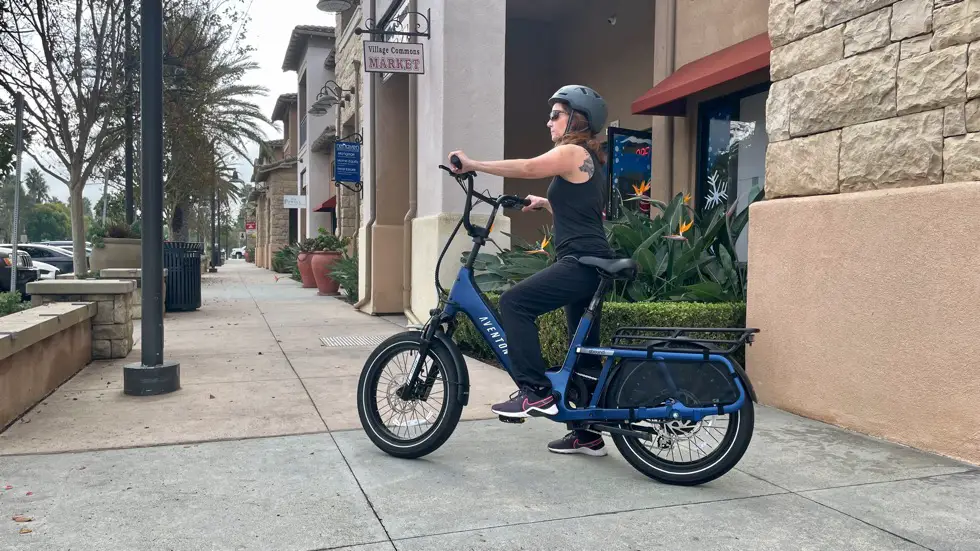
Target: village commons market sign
[(394, 57)]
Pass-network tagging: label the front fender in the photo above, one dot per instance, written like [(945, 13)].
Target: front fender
[(462, 371)]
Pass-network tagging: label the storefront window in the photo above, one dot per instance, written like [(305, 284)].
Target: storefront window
[(629, 173), (731, 153)]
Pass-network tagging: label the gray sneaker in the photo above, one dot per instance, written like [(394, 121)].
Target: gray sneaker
[(579, 441)]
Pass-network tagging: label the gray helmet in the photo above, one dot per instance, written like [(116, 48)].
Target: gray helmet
[(583, 99)]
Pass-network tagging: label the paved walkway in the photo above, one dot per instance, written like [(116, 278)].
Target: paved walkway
[(262, 449)]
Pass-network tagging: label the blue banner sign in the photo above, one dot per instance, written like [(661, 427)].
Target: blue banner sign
[(347, 162)]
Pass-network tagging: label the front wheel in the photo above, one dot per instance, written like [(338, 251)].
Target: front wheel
[(408, 429), (682, 452)]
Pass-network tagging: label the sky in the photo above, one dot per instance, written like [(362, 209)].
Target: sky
[(268, 33)]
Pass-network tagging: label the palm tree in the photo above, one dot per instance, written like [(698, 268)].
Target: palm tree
[(208, 114), (37, 188)]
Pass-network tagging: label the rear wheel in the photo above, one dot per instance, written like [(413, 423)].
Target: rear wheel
[(408, 429), (682, 452)]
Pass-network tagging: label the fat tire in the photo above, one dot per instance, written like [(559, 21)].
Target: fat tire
[(448, 417), (733, 446)]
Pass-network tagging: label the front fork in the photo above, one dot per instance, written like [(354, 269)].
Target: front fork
[(414, 389)]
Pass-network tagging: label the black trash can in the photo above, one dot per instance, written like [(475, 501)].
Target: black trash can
[(183, 263)]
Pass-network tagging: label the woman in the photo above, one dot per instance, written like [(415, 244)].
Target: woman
[(576, 200)]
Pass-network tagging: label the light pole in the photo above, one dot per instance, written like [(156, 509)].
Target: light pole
[(214, 202), (153, 375), (130, 208)]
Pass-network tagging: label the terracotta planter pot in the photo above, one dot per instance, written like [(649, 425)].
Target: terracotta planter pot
[(304, 263), (321, 264)]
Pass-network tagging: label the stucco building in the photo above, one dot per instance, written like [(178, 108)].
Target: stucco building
[(862, 259), (311, 54), (274, 176), (860, 120)]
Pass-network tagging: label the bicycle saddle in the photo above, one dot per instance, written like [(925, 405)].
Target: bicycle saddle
[(614, 267)]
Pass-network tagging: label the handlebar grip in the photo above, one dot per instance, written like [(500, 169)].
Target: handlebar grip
[(456, 162), (525, 201)]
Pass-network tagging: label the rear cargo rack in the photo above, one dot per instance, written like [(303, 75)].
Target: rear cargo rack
[(706, 340)]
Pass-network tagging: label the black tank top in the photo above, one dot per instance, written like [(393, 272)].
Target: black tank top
[(578, 225)]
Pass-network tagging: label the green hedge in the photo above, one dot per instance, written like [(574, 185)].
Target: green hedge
[(552, 328), (11, 303)]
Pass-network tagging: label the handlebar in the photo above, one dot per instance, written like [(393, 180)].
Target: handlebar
[(506, 201)]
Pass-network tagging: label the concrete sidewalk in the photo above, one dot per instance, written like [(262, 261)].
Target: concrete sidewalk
[(262, 449)]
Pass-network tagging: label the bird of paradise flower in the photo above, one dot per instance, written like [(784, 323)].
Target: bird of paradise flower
[(682, 227), (642, 189), (541, 248)]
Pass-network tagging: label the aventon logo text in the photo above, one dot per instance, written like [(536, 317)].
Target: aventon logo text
[(494, 334)]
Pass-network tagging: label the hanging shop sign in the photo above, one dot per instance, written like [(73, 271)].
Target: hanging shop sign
[(629, 169), (347, 162), (294, 201), (250, 228), (394, 57)]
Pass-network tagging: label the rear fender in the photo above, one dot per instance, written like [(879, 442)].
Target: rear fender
[(740, 371)]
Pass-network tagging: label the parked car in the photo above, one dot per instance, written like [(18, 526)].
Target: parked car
[(26, 272), (49, 254), (238, 252), (88, 244), (46, 270)]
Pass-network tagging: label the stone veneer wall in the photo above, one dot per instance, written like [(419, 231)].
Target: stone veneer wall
[(112, 326), (349, 76), (860, 275), (261, 220), (872, 94), (282, 182)]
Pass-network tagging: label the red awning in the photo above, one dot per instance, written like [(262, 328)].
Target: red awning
[(328, 205), (669, 97)]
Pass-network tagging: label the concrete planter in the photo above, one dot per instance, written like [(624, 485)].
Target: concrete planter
[(137, 276), (119, 253), (40, 349), (321, 263), (112, 326)]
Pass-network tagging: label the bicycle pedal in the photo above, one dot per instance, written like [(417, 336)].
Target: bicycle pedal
[(515, 420)]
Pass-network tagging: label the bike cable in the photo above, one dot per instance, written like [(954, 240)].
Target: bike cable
[(439, 290)]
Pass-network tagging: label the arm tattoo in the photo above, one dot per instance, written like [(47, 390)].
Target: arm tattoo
[(587, 166)]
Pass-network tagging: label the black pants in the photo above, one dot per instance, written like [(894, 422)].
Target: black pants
[(565, 283)]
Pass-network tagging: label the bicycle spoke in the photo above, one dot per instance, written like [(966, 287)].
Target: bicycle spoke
[(407, 419)]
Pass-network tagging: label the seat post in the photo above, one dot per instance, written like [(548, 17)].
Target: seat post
[(600, 292)]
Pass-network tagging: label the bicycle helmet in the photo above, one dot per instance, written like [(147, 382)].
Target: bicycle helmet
[(585, 100)]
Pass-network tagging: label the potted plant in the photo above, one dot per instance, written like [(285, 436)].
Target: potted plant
[(304, 262), (117, 245), (327, 249)]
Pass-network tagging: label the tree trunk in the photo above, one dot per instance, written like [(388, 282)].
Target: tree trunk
[(178, 224), (78, 228)]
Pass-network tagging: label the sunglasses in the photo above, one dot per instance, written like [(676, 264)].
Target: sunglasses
[(556, 114)]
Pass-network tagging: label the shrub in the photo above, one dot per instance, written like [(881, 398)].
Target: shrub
[(250, 251), (116, 230), (327, 241), (344, 271), (682, 255), (11, 303), (284, 260), (307, 245), (553, 332)]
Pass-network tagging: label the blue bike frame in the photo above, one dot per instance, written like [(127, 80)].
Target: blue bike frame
[(465, 297)]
